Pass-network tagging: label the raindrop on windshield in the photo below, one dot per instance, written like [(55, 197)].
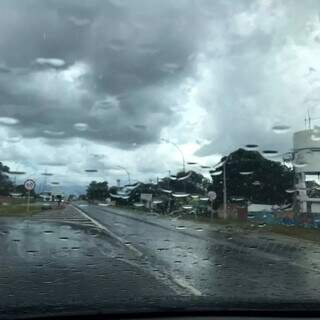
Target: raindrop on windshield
[(252, 146), (186, 207), (291, 190), (180, 195), (315, 137), (237, 199), (280, 129), (216, 173), (54, 133), (81, 126), (185, 177), (138, 204), (166, 191), (270, 153), (256, 183), (246, 173), (8, 120)]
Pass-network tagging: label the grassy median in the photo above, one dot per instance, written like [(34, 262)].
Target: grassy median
[(19, 209)]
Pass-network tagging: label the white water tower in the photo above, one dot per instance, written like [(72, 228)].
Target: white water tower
[(306, 162)]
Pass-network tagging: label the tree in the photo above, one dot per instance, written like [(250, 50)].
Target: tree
[(191, 182), (6, 185), (97, 190), (251, 177)]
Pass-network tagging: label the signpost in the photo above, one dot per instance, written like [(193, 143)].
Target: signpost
[(212, 196), (29, 185)]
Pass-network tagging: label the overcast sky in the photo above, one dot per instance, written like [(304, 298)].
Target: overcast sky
[(96, 84)]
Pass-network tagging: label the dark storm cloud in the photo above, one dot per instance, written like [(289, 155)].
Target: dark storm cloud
[(130, 49)]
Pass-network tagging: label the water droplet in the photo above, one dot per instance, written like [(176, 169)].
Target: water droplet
[(215, 173), (256, 183), (246, 173), (8, 121), (280, 129), (180, 195), (270, 153), (166, 191), (315, 137), (52, 62), (237, 198), (138, 204), (64, 238), (81, 126), (180, 227), (204, 199), (54, 133), (199, 229), (185, 177), (187, 207), (252, 146)]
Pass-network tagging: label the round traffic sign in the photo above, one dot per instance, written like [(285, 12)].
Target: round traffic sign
[(29, 184), (212, 195)]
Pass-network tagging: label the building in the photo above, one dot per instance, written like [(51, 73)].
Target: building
[(306, 162)]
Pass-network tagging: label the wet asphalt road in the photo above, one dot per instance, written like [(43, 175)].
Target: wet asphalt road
[(63, 261), (219, 265)]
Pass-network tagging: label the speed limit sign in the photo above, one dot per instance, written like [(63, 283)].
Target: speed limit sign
[(29, 184)]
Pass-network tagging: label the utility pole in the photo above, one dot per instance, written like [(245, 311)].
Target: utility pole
[(225, 189)]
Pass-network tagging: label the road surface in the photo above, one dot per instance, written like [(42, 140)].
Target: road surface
[(225, 265), (89, 257)]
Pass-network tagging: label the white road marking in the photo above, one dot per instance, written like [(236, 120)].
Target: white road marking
[(182, 283), (112, 234), (178, 281)]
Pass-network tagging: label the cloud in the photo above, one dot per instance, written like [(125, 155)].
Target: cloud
[(119, 75)]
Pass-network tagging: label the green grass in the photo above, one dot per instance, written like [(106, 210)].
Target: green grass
[(19, 210)]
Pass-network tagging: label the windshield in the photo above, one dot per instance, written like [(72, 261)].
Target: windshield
[(159, 155)]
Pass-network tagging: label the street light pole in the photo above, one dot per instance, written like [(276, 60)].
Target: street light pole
[(180, 151), (127, 172)]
